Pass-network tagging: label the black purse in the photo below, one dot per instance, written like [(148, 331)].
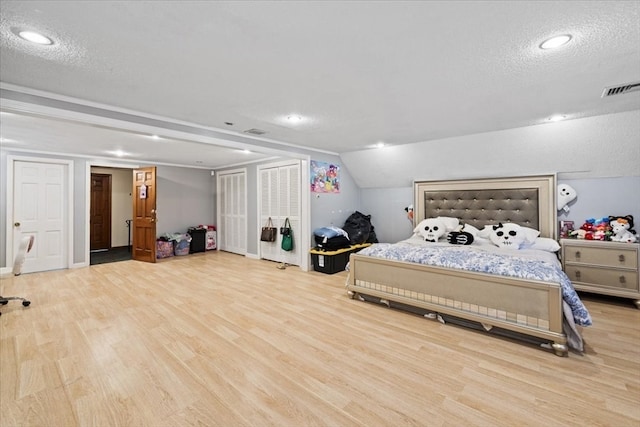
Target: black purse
[(268, 233)]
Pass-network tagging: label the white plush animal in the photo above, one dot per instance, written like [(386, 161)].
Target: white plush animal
[(566, 194), (621, 233)]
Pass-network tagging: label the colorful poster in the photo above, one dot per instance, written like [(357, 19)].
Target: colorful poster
[(325, 177)]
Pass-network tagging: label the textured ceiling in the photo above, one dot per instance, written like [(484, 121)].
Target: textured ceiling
[(358, 72)]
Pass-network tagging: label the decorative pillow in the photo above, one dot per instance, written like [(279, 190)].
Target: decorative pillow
[(508, 235), (543, 244), (431, 229), (529, 234)]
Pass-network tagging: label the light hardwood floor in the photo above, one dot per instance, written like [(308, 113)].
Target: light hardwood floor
[(216, 339)]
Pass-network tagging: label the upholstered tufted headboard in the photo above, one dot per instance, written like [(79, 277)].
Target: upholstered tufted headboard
[(528, 201)]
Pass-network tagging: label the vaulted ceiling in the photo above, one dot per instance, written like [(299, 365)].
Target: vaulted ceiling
[(355, 72)]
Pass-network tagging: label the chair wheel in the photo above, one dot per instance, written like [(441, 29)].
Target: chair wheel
[(4, 302), (26, 303)]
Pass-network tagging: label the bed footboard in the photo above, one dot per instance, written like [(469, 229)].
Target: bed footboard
[(532, 308)]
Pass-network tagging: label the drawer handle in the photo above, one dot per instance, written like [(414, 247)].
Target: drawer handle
[(621, 258), (578, 254), (623, 280), (577, 274)]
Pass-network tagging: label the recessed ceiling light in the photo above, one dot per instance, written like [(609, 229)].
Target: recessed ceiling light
[(156, 137), (555, 42), (557, 118), (294, 118), (34, 37), (380, 144)]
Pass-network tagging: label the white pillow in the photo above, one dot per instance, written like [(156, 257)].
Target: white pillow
[(450, 222), (543, 244), (530, 234), (471, 229)]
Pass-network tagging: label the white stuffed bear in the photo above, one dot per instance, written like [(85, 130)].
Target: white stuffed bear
[(565, 195), (621, 232), (511, 236), (431, 229)]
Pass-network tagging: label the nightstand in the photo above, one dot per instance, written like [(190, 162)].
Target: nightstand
[(608, 268)]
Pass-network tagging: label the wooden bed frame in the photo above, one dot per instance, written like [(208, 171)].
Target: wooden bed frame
[(518, 306)]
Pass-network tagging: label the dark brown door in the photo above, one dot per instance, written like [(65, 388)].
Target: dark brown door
[(100, 215), (144, 214)]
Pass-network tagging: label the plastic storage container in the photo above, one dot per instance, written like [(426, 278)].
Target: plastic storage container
[(211, 240), (198, 239), (331, 262)]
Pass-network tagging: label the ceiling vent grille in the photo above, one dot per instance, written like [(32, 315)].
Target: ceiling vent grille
[(619, 90), (255, 131)]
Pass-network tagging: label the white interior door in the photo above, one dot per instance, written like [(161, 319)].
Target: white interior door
[(232, 211), (280, 198), (39, 209)]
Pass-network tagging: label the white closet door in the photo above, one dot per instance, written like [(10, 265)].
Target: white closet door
[(269, 195), (289, 207), (280, 198), (232, 212)]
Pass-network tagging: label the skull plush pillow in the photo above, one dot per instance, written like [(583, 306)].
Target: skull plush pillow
[(508, 236), (431, 229)]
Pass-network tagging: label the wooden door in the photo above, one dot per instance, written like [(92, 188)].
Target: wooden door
[(100, 212), (40, 191), (144, 214)]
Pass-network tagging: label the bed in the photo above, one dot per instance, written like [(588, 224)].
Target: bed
[(539, 308)]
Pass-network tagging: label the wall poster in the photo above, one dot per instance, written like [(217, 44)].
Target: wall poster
[(325, 177)]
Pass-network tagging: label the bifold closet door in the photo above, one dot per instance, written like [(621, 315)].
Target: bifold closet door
[(232, 218), (280, 198)]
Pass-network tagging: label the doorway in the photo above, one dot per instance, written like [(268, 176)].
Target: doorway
[(110, 215)]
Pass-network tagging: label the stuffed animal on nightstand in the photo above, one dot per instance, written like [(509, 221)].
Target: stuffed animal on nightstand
[(588, 229), (622, 228)]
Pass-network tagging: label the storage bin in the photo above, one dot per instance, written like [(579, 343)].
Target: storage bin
[(164, 249), (211, 240), (181, 247), (331, 262), (198, 239)]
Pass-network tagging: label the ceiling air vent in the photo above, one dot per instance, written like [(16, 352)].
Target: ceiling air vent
[(619, 90), (255, 131)]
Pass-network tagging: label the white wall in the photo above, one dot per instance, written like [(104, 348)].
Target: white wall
[(598, 156), (593, 147)]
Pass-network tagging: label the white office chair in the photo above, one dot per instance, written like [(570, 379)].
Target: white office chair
[(25, 246)]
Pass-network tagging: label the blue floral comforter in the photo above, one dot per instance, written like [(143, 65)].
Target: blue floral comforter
[(525, 264)]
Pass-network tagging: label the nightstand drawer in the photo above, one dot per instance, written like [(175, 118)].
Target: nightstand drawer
[(619, 279), (613, 257)]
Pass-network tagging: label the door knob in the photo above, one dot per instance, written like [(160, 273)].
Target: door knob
[(16, 224)]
